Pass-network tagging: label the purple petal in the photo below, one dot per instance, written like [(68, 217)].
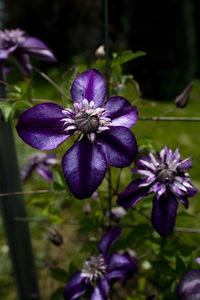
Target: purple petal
[(184, 201), (119, 145), (164, 214), (132, 194), (37, 49), (101, 290), (45, 172), (197, 260), (26, 172), (185, 165), (84, 167), (76, 287), (108, 239), (23, 62), (5, 52), (89, 85), (40, 126), (189, 286), (121, 112), (120, 266)]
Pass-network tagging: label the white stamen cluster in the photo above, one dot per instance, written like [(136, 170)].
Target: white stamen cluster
[(11, 37), (93, 269), (85, 120)]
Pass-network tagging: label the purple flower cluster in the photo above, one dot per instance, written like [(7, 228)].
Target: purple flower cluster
[(41, 163), (103, 134), (99, 271), (16, 42), (166, 176)]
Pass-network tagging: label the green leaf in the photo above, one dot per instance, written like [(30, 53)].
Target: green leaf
[(21, 104), (58, 294), (180, 266), (69, 77), (59, 275), (125, 56), (6, 108)]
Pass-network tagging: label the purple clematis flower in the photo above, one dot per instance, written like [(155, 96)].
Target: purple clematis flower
[(16, 42), (98, 271), (189, 286), (41, 163), (103, 134), (166, 176)]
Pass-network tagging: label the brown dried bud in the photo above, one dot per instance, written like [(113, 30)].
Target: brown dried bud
[(55, 237), (182, 100)]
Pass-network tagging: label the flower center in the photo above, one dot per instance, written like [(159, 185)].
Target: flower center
[(93, 268), (86, 123), (165, 173)]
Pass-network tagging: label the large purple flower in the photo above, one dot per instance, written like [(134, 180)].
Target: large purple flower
[(166, 176), (98, 271), (189, 286), (103, 134), (16, 42), (41, 163)]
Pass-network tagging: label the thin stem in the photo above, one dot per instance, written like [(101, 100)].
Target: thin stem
[(189, 119), (31, 192), (118, 181), (162, 115), (51, 82)]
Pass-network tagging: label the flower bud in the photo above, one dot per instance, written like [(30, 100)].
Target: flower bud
[(100, 52), (182, 100), (54, 236)]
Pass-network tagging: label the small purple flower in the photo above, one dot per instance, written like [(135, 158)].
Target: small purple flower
[(103, 134), (98, 271), (16, 42), (41, 163), (197, 260), (189, 286), (166, 176)]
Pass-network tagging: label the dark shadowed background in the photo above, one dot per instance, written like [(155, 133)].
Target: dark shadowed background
[(168, 31)]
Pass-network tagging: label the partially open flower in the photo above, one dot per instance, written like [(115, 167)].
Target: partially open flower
[(166, 176), (16, 42), (98, 271), (41, 163), (54, 236), (103, 132)]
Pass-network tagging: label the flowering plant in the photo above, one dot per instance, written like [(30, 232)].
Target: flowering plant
[(21, 46), (166, 176), (98, 271), (103, 132)]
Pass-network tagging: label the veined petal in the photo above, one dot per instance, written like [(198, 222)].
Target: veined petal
[(132, 194), (76, 287), (164, 214), (121, 112), (119, 145), (101, 290), (185, 164), (108, 239), (189, 286), (120, 266), (40, 126), (84, 167), (89, 85), (37, 48)]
